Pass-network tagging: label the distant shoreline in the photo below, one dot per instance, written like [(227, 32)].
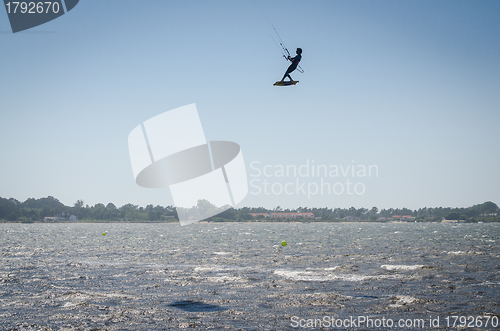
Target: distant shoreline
[(262, 222), (51, 210)]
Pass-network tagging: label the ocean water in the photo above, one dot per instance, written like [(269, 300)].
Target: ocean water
[(237, 276)]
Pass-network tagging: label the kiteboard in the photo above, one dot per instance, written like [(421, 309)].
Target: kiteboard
[(286, 83)]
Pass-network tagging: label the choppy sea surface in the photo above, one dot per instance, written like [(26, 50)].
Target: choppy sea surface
[(237, 276)]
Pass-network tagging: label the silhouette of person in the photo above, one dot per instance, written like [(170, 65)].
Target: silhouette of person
[(293, 66)]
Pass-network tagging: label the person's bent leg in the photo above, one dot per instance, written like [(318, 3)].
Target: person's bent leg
[(287, 74)]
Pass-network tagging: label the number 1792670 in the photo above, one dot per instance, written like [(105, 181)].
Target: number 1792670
[(471, 321), (32, 7)]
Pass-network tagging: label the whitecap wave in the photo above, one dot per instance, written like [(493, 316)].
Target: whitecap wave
[(322, 276), (399, 267), (402, 300)]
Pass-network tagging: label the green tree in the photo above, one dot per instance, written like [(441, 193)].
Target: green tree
[(452, 216)]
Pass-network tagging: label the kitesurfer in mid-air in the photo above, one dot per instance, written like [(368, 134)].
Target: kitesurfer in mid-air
[(293, 66)]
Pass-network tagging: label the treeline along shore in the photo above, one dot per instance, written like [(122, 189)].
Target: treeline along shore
[(50, 209)]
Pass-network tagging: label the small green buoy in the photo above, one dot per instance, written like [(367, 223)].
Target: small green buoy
[(283, 243), (104, 233)]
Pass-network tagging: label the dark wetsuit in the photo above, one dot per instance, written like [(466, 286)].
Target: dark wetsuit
[(293, 66)]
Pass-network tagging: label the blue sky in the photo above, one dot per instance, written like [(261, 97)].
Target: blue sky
[(408, 86)]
